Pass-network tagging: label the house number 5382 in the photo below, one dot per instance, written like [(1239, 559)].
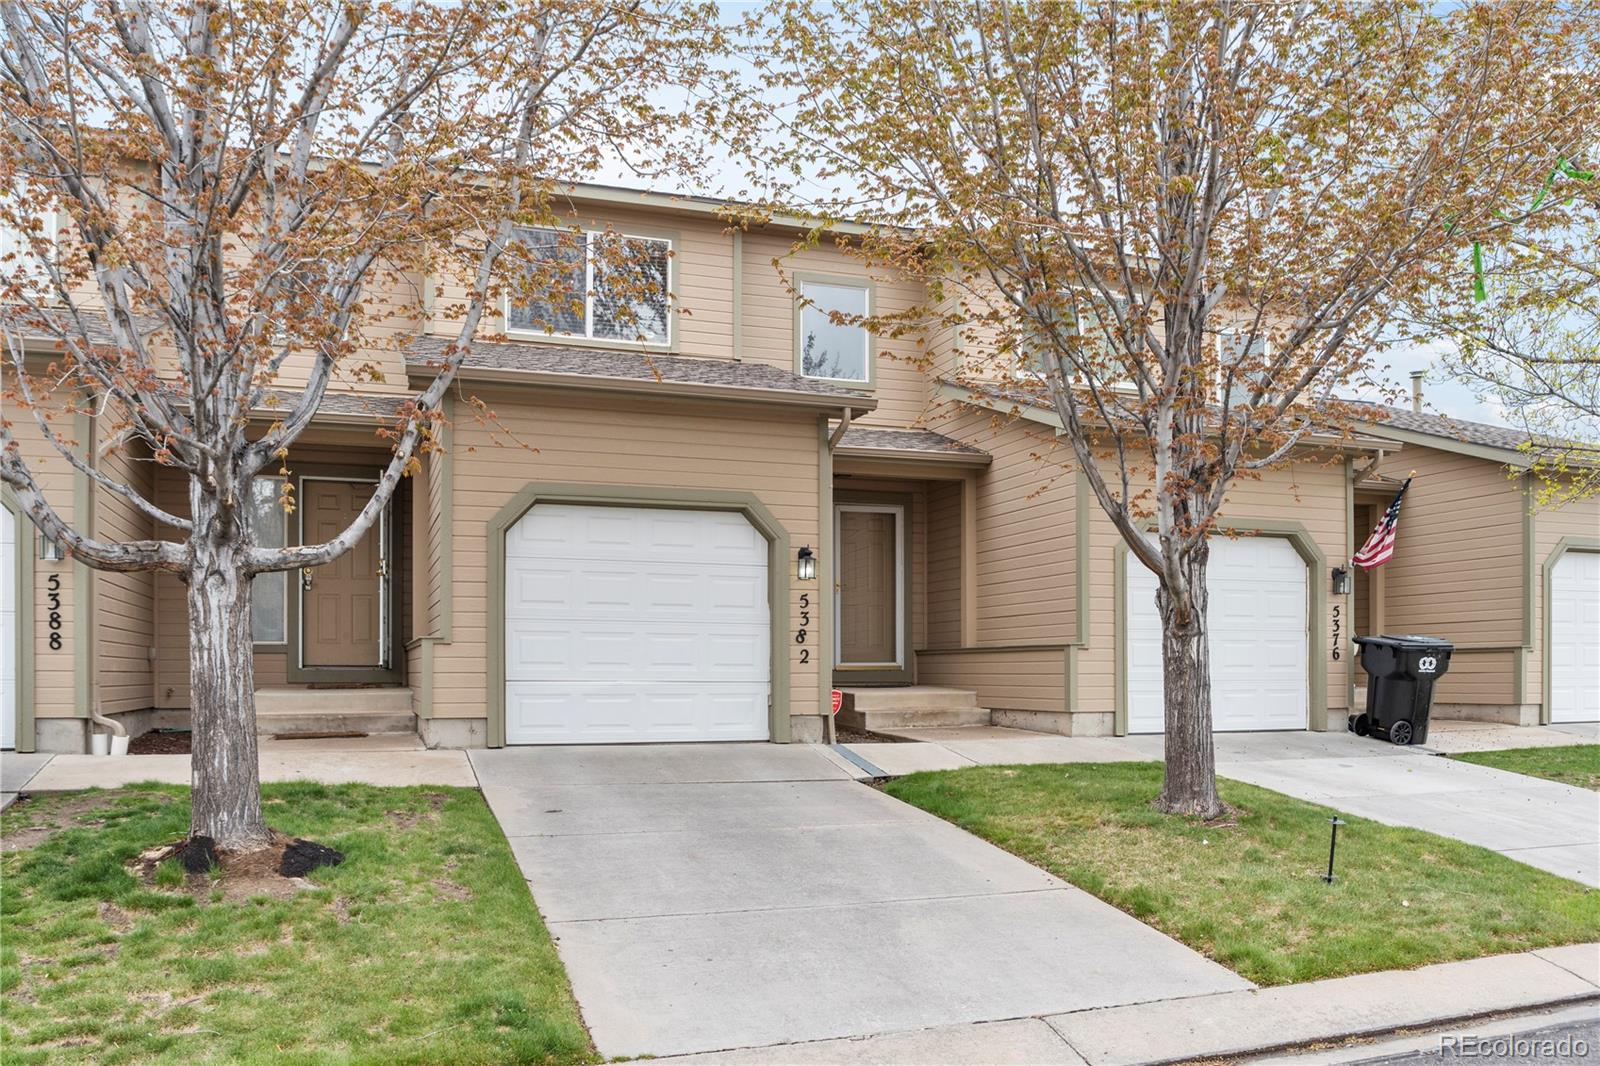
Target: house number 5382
[(53, 589), (805, 620)]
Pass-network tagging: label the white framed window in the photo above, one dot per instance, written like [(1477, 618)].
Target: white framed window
[(1092, 321), (1236, 347), (19, 255), (601, 286), (269, 593), (830, 349)]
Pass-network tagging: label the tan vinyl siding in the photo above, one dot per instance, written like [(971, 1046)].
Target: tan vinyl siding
[(1026, 565), (942, 607), (576, 440), (53, 668), (124, 614), (1579, 519), (1457, 566), (1027, 679), (1485, 676)]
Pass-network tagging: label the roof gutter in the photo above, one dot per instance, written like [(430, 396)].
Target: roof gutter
[(917, 455), (1048, 417), (676, 389)]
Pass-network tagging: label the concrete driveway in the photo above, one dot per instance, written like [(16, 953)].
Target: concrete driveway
[(736, 895)]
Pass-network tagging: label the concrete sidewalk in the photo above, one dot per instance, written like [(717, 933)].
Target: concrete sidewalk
[(706, 897), (357, 760), (1227, 1024)]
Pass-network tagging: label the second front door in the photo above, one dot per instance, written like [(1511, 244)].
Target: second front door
[(341, 603)]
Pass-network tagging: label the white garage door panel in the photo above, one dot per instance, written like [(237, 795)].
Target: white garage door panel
[(1575, 638), (8, 630), (554, 713), (599, 651), (1257, 613), (635, 624)]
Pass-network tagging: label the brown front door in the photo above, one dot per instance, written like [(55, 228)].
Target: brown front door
[(340, 603), (869, 586)]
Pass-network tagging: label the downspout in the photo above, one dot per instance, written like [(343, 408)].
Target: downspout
[(831, 728)]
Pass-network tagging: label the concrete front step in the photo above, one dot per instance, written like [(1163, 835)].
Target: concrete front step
[(334, 710), (874, 710), (286, 700), (335, 722), (909, 698)]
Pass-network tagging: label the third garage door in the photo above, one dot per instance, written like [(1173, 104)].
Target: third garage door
[(635, 624), (1258, 621), (1575, 638)]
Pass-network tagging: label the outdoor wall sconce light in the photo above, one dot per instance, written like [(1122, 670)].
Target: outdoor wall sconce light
[(50, 550), (806, 564), (1341, 581)]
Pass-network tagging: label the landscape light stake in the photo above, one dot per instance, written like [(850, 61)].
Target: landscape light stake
[(1333, 845)]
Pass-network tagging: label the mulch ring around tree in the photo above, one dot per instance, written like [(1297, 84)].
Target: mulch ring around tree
[(277, 870), (160, 742)]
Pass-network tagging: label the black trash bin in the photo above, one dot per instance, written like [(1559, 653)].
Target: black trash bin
[(1400, 676)]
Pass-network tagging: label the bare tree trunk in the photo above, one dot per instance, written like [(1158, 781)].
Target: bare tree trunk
[(226, 775), (1190, 784)]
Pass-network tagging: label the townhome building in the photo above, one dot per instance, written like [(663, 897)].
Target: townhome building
[(697, 525)]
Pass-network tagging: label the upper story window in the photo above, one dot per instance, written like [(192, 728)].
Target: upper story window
[(1094, 321), (600, 285), (19, 246), (1246, 357), (830, 347)]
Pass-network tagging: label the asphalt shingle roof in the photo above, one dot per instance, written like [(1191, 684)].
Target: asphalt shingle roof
[(1449, 428), (603, 363), (872, 438)]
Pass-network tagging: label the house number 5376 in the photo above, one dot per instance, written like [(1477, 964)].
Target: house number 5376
[(805, 620), (53, 591)]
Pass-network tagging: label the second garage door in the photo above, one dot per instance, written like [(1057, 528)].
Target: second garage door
[(634, 624), (1258, 622), (1575, 638)]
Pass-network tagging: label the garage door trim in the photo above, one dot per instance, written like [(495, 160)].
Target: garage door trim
[(1316, 603), (534, 493), (1563, 546), (22, 573)]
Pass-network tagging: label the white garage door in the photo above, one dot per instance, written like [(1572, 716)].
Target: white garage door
[(8, 629), (1575, 638), (1258, 621), (635, 624)]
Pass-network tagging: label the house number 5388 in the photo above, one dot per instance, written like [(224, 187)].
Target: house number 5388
[(53, 589), (805, 620)]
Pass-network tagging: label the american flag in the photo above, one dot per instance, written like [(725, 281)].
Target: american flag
[(1376, 551)]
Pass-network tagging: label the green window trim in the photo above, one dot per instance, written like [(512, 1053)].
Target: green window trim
[(779, 572)]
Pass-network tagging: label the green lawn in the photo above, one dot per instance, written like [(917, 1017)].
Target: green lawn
[(1248, 893), (1578, 764), (424, 946)]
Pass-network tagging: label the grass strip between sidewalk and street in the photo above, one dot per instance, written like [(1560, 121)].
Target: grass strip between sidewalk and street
[(424, 945), (1247, 891), (1574, 764)]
